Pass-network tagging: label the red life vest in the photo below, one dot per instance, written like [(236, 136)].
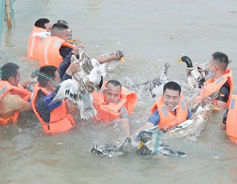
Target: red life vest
[(34, 41), (6, 87), (231, 121), (60, 120), (106, 113), (47, 52), (212, 85), (167, 119)]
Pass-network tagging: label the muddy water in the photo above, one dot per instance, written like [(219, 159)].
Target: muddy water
[(151, 33)]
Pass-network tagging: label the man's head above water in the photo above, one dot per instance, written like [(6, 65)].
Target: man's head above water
[(112, 92), (60, 30), (44, 23), (218, 62), (11, 73), (48, 77), (171, 95)]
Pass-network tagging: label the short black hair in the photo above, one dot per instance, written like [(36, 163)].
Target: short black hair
[(221, 58), (41, 22), (172, 85), (114, 82), (60, 26), (46, 74), (62, 22), (9, 70)]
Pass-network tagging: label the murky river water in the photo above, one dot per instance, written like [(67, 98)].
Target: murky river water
[(151, 33)]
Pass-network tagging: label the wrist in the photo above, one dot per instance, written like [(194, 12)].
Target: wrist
[(69, 72), (75, 52)]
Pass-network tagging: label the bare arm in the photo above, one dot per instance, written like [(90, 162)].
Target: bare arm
[(147, 125), (105, 59), (125, 126)]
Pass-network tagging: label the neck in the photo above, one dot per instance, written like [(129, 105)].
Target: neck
[(218, 74), (173, 112), (49, 89)]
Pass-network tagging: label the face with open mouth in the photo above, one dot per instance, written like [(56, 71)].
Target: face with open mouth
[(171, 99)]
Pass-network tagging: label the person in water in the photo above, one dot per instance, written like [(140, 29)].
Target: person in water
[(221, 80), (41, 25), (56, 50), (54, 117), (115, 102), (229, 121), (169, 110), (13, 97), (70, 40)]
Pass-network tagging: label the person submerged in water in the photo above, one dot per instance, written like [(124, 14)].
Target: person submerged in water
[(221, 80), (229, 121), (169, 110), (13, 97), (54, 117), (42, 25), (115, 102), (56, 50)]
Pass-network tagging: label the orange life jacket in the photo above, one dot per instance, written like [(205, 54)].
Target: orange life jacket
[(60, 120), (231, 121), (48, 51), (106, 113), (167, 119), (6, 87), (34, 41), (212, 85)]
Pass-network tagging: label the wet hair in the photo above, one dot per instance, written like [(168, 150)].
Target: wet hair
[(173, 86), (58, 27), (221, 59), (9, 70), (62, 22), (46, 74), (41, 22), (114, 83)]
